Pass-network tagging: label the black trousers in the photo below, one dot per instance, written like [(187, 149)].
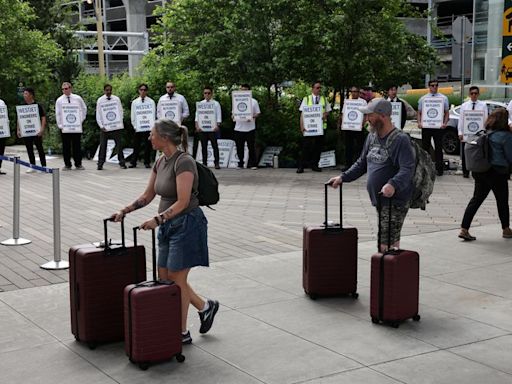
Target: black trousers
[(484, 183), (2, 148), (141, 139), (240, 139), (204, 137), (426, 137), (113, 135), (29, 144), (354, 141), (463, 157), (71, 146), (311, 149)]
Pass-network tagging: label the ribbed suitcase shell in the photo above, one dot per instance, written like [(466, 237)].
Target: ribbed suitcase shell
[(152, 315), (400, 288), (329, 261), (97, 279)]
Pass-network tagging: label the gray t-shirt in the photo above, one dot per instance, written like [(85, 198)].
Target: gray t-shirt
[(165, 183)]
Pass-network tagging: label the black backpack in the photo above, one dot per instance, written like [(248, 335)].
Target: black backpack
[(476, 152)]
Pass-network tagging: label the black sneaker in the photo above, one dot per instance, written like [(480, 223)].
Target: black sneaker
[(207, 316), (186, 338), (132, 166)]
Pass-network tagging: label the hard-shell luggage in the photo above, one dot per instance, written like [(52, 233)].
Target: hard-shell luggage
[(152, 318), (330, 258), (98, 274), (394, 286)]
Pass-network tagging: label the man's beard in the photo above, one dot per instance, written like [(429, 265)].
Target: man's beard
[(376, 126)]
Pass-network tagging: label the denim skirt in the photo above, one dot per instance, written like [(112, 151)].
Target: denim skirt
[(183, 241)]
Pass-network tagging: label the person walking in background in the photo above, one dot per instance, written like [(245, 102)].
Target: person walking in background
[(109, 117), (473, 104), (30, 141), (204, 133), (143, 117), (182, 233), (245, 132), (71, 141), (496, 178)]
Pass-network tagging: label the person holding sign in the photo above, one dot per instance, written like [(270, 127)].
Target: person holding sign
[(5, 131), (473, 114), (433, 115), (399, 112), (31, 125), (245, 128), (313, 121), (70, 113), (352, 124), (208, 118), (109, 116), (143, 117), (172, 105)]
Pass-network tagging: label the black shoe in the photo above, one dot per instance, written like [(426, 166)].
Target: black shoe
[(207, 316), (123, 166), (147, 165), (132, 166), (465, 175), (316, 169), (217, 166), (186, 338), (100, 167), (439, 173), (464, 234), (300, 170)]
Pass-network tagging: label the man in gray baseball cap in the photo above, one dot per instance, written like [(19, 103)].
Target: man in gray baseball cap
[(388, 158)]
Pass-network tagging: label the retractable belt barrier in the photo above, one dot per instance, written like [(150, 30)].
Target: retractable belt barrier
[(56, 263)]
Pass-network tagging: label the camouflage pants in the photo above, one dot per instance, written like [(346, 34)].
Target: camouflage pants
[(398, 214)]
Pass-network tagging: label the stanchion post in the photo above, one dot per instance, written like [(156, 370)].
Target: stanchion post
[(16, 240), (57, 263)]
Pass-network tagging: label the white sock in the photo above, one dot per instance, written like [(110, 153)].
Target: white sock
[(206, 306)]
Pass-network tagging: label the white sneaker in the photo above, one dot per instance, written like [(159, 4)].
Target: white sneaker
[(254, 168), (30, 170)]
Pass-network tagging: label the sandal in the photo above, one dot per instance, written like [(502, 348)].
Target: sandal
[(464, 234)]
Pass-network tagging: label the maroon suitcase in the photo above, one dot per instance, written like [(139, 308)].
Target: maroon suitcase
[(97, 277), (329, 258), (152, 318), (394, 286)]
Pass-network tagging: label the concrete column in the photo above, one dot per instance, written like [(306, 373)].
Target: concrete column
[(135, 22), (494, 41)]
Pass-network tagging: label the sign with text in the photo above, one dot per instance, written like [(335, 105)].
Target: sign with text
[(472, 122), (225, 153), (171, 109), (432, 113), (242, 105), (396, 114), (29, 120), (327, 159), (206, 118), (352, 116), (312, 120), (267, 158), (71, 118), (4, 122), (506, 44), (111, 116), (144, 116)]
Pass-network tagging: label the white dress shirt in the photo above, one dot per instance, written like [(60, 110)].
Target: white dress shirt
[(71, 99), (185, 112)]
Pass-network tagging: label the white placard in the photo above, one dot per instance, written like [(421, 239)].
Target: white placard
[(71, 118), (312, 120), (111, 116), (5, 131), (206, 118), (352, 116), (327, 159), (171, 109), (242, 105), (396, 114), (472, 122), (225, 153), (29, 120), (432, 112), (267, 158), (144, 116)]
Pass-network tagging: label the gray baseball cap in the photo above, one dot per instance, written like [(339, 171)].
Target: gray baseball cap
[(380, 106)]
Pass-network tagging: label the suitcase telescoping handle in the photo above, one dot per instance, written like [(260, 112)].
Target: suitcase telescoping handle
[(153, 248), (341, 206), (379, 233), (105, 221)]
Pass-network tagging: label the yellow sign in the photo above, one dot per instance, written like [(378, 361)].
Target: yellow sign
[(507, 22)]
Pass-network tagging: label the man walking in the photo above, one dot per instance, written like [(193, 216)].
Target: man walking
[(109, 117), (439, 122), (71, 138), (143, 117), (388, 158), (208, 118)]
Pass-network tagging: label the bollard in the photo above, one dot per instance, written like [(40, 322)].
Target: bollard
[(16, 240), (57, 263)]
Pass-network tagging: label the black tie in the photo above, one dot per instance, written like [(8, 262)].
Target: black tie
[(316, 99), (142, 99), (69, 99), (170, 96), (108, 98), (473, 106)]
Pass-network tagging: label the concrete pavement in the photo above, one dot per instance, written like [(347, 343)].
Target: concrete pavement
[(267, 330)]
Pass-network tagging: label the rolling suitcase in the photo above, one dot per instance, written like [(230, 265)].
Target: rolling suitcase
[(152, 318), (394, 286), (330, 258), (97, 277)]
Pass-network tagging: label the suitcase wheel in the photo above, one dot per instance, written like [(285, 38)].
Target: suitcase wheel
[(143, 366), (77, 338), (375, 320), (92, 345), (312, 296), (180, 358), (355, 295), (394, 324), (416, 317)]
